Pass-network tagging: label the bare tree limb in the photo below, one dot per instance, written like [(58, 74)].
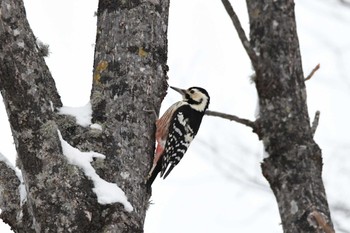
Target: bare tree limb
[(315, 122), (231, 118), (312, 72), (242, 36)]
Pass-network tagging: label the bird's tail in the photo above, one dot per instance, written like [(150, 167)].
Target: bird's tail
[(169, 170), (153, 173)]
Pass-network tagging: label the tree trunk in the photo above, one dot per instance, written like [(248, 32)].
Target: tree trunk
[(129, 83), (294, 165)]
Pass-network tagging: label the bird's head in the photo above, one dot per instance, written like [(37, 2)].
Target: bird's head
[(197, 97)]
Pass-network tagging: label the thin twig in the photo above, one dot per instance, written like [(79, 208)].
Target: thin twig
[(315, 122), (312, 72), (232, 118), (242, 36)]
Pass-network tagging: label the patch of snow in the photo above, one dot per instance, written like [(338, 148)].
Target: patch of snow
[(106, 192), (52, 107), (81, 114), (22, 187), (96, 126)]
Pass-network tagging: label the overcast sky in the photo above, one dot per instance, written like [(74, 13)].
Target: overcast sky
[(218, 186)]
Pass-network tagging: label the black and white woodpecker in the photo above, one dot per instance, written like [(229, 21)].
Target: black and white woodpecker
[(176, 130)]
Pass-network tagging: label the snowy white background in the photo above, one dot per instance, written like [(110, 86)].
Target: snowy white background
[(218, 186)]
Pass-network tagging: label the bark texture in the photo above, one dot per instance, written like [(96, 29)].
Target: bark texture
[(294, 165), (129, 84), (130, 73)]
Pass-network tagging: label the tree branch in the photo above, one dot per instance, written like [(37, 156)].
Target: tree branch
[(242, 36), (245, 122), (312, 72)]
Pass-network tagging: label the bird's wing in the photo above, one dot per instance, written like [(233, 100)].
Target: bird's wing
[(179, 138)]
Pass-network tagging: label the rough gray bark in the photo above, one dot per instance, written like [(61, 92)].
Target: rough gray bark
[(294, 165), (130, 66), (130, 72)]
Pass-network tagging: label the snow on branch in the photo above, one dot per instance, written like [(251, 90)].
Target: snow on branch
[(106, 192), (81, 114)]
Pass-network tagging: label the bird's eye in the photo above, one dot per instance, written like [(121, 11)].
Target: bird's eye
[(192, 91)]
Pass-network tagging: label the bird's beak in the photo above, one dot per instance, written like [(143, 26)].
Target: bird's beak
[(181, 91)]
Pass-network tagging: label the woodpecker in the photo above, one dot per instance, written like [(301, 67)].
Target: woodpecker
[(176, 129)]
